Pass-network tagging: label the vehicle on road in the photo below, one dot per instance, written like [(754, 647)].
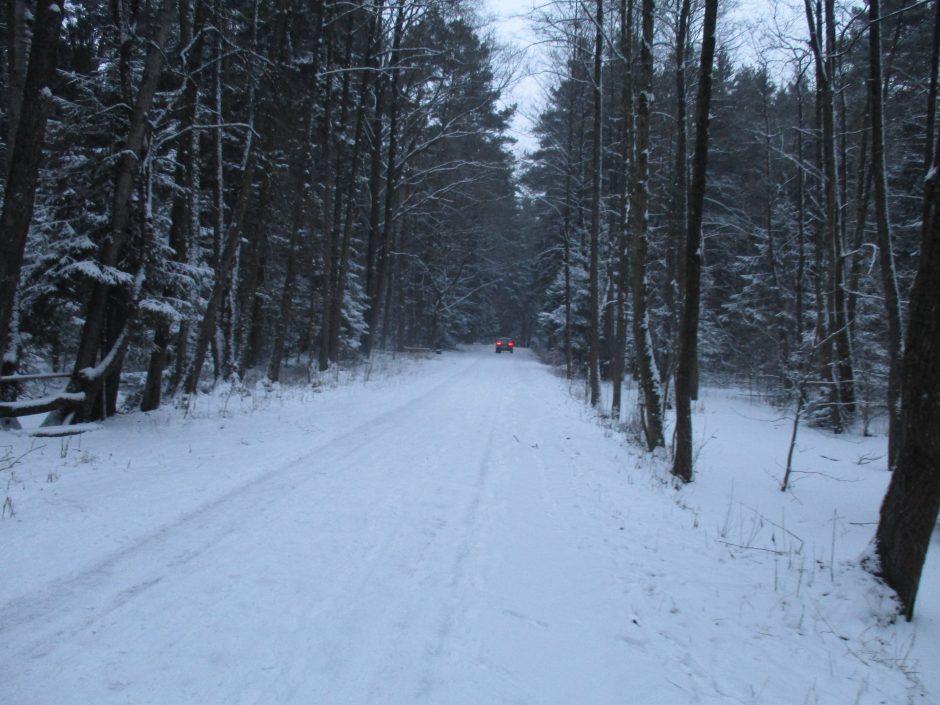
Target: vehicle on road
[(505, 344)]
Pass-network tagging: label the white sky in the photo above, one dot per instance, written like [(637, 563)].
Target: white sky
[(512, 25)]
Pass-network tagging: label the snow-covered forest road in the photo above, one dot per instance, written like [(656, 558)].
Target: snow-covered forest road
[(465, 534)]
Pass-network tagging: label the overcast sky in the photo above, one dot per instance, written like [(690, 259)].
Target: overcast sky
[(513, 27), (744, 26)]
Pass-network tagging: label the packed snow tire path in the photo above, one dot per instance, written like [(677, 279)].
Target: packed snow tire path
[(465, 533)]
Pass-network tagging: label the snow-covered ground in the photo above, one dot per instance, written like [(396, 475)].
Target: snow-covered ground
[(462, 532)]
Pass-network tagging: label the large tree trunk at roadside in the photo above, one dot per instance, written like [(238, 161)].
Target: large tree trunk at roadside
[(909, 510), (24, 161), (650, 386), (688, 330)]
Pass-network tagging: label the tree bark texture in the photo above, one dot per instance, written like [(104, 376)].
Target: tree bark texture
[(338, 293), (885, 246), (932, 90), (391, 184), (18, 40), (298, 206), (626, 168), (833, 336), (95, 337), (596, 185), (688, 331), (909, 510), (184, 213), (229, 235), (675, 251), (650, 388), (25, 159)]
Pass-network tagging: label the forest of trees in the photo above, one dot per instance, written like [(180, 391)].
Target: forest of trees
[(751, 223), (230, 185), (206, 190)]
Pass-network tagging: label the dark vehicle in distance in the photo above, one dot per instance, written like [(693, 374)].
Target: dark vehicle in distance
[(505, 344)]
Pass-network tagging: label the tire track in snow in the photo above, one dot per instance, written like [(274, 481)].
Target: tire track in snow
[(70, 621), (27, 609), (429, 554)]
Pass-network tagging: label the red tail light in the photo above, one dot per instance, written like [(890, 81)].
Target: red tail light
[(498, 343), (511, 343)]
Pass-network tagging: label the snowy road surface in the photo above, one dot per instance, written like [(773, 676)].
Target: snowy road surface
[(467, 535)]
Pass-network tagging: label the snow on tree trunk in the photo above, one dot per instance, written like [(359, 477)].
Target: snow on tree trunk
[(650, 388)]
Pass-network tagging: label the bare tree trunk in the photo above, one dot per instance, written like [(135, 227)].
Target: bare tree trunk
[(301, 168), (375, 245), (342, 265), (888, 276), (836, 338), (391, 183), (909, 510), (181, 365), (863, 183), (342, 255), (128, 168), (224, 267), (18, 45), (596, 173), (566, 232), (17, 52), (334, 206), (675, 249), (184, 214), (252, 268), (800, 214), (294, 259), (651, 392), (779, 329), (230, 235), (626, 167), (932, 90), (794, 429), (24, 160), (688, 332)]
